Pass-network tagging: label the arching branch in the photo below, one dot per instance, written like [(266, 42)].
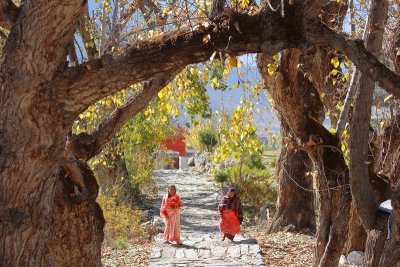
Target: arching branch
[(237, 33)]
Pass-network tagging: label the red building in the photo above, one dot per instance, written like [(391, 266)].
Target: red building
[(177, 143)]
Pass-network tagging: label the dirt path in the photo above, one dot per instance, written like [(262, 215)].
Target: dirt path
[(199, 219)]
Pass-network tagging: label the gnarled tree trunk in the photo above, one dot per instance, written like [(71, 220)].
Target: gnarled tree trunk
[(295, 204), (76, 231), (297, 101)]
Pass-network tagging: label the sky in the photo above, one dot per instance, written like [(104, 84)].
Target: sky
[(230, 98)]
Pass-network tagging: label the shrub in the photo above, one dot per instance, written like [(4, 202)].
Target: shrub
[(255, 162), (272, 163), (123, 222), (253, 185), (203, 135), (221, 177), (208, 138)]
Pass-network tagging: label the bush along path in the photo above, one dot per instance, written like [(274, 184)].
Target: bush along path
[(201, 245)]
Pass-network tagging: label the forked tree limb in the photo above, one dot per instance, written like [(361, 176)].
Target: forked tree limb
[(313, 8)]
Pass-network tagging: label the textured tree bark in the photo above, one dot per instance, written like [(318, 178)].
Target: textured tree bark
[(32, 128), (76, 231), (360, 187), (318, 64), (298, 103), (295, 205)]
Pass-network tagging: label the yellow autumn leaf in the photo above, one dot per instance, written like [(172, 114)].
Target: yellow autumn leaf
[(92, 109), (193, 71), (168, 106), (335, 62), (271, 69), (232, 60)]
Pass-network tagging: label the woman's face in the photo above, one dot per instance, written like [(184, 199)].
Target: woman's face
[(172, 190), (231, 194)]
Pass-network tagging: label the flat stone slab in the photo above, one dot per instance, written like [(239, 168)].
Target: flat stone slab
[(201, 244)]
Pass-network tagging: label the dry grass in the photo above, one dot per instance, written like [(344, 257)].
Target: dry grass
[(137, 253)]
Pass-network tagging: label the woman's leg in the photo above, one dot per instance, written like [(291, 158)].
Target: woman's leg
[(230, 237)]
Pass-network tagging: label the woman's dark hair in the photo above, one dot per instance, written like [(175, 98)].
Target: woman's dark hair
[(231, 189), (171, 186)]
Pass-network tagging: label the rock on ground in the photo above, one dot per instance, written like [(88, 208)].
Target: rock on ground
[(355, 258), (202, 162)]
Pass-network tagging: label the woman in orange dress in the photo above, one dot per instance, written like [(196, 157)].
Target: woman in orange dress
[(170, 211), (231, 215)]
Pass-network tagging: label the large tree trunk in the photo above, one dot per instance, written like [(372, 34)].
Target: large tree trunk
[(76, 231), (295, 205), (32, 128), (298, 103)]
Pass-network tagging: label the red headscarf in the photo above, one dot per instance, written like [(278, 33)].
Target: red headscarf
[(169, 201)]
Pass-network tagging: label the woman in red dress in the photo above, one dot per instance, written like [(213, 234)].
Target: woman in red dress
[(231, 215), (170, 211)]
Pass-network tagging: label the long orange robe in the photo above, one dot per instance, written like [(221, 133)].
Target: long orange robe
[(170, 211)]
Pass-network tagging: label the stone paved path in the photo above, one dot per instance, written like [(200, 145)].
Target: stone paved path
[(200, 236)]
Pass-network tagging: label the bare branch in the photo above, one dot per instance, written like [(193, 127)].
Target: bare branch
[(9, 13), (83, 26), (217, 7), (72, 53)]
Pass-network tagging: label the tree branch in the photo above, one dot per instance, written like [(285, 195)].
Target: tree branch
[(9, 13), (313, 7), (361, 190), (365, 61), (89, 146), (83, 26), (236, 33), (31, 68)]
